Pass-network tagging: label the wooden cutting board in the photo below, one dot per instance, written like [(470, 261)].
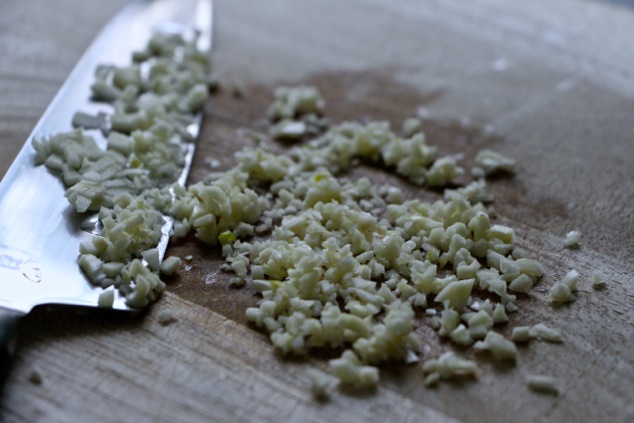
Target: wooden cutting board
[(549, 84)]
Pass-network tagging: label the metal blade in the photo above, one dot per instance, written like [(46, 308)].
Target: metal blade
[(40, 232)]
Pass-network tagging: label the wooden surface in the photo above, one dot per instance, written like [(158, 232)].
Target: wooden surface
[(548, 83)]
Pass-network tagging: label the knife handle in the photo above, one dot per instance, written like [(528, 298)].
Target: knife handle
[(8, 327)]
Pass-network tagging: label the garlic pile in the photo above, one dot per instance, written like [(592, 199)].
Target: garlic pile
[(348, 263), (156, 102), (338, 263)]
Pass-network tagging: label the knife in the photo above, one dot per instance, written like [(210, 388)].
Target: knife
[(40, 232)]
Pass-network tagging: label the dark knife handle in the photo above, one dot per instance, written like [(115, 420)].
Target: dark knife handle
[(8, 327)]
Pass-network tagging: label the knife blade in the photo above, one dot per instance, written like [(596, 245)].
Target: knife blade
[(40, 232)]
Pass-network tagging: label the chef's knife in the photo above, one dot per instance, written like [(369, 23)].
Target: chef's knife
[(40, 232)]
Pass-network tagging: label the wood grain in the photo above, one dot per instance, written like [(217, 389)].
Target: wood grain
[(529, 80), (201, 368)]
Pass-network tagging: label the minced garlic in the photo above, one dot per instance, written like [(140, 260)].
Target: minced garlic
[(170, 265), (489, 162), (542, 384), (411, 127), (562, 291), (448, 365), (351, 371), (521, 334), (545, 333), (499, 347), (106, 299), (572, 239), (166, 317), (338, 263), (319, 383), (598, 281), (130, 182)]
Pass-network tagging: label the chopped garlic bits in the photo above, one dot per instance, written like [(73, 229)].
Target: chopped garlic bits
[(351, 371), (521, 334), (154, 105), (499, 347), (148, 126), (166, 317), (562, 291), (572, 239), (598, 281), (539, 331), (334, 274), (347, 264), (448, 365), (106, 299), (542, 384), (489, 162), (338, 263), (170, 265), (297, 112), (545, 333), (319, 383), (291, 102)]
